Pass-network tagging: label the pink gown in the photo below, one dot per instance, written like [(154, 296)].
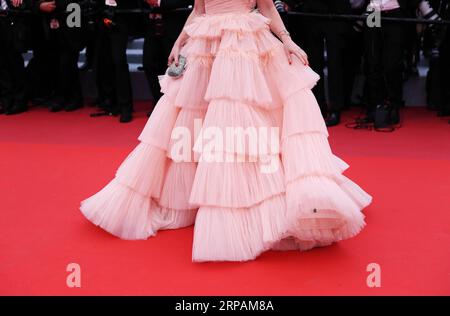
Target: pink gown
[(287, 194)]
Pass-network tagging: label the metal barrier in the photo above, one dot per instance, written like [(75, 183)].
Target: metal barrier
[(350, 17)]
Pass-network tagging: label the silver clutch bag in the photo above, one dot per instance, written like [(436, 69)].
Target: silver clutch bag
[(177, 71)]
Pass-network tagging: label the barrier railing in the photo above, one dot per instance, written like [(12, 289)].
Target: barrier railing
[(350, 17)]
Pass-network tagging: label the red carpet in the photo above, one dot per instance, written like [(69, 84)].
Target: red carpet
[(51, 161)]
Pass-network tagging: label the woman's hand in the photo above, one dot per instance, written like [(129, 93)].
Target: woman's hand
[(199, 8), (173, 57), (291, 48), (47, 7)]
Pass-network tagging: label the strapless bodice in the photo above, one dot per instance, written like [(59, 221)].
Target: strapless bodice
[(228, 6)]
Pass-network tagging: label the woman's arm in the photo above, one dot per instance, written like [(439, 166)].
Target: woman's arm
[(267, 8), (199, 9)]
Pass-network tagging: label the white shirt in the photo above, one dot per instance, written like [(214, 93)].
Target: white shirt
[(4, 5)]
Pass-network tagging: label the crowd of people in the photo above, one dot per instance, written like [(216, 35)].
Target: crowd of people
[(385, 54)]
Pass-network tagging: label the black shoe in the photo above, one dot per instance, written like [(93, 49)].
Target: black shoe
[(368, 119), (16, 109), (73, 106), (109, 107), (333, 119), (382, 117), (5, 107), (125, 117)]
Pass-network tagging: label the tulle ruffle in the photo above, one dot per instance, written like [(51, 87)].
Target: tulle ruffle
[(130, 215), (150, 191), (289, 195)]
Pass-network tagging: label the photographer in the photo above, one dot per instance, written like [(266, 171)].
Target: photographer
[(68, 43), (331, 35), (444, 62), (384, 56), (437, 49), (13, 31), (110, 62), (162, 29), (90, 24)]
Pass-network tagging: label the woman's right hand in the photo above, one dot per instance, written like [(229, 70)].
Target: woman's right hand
[(173, 57)]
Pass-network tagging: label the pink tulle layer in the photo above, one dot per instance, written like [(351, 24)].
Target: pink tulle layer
[(237, 76)]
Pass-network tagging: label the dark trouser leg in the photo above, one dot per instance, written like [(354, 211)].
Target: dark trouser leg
[(103, 68), (152, 64), (90, 36), (352, 63), (444, 66), (17, 69), (12, 77), (41, 70), (68, 75), (393, 52), (122, 82), (335, 41), (315, 51), (298, 28), (374, 71), (5, 78), (156, 54)]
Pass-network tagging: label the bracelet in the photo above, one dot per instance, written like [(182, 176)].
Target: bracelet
[(283, 32)]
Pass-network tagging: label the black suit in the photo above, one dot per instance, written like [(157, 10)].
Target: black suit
[(438, 38), (160, 37), (384, 51), (41, 75), (53, 70), (334, 33), (444, 62), (110, 60), (68, 43), (13, 42)]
